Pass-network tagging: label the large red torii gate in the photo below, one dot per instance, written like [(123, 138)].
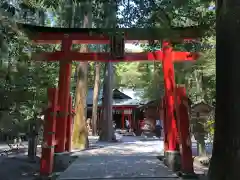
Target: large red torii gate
[(57, 135)]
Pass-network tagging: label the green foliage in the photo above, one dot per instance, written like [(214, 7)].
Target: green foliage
[(126, 75), (24, 82)]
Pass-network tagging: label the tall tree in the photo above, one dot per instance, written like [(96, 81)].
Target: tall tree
[(95, 97), (225, 160), (23, 76), (80, 133), (99, 22), (107, 133)]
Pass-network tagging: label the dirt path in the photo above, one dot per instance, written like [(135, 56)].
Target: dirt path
[(133, 158), (17, 166)]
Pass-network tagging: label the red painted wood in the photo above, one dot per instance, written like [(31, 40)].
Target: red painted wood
[(85, 38), (68, 146), (105, 57), (169, 83), (46, 165), (64, 90), (185, 140), (60, 91)]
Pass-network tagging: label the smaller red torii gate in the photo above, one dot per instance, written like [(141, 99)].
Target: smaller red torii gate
[(116, 38)]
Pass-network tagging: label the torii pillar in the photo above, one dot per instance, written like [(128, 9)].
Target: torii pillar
[(171, 150), (187, 169), (63, 97)]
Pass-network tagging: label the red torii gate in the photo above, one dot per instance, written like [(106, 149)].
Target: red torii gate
[(116, 38)]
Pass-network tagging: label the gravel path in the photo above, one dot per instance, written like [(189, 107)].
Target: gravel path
[(131, 159)]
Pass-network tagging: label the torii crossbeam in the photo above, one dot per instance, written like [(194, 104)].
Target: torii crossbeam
[(54, 35), (106, 57), (114, 37)]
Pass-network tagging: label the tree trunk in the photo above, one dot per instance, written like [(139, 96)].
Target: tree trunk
[(200, 130), (34, 129), (109, 100), (80, 133), (32, 141), (201, 145), (95, 98), (107, 132), (225, 160), (103, 130)]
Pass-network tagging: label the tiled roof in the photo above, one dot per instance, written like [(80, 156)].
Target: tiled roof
[(120, 98)]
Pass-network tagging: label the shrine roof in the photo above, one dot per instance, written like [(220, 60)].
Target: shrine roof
[(126, 102), (152, 103), (130, 33), (119, 98)]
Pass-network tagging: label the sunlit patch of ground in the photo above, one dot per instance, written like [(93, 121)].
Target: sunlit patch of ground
[(130, 158), (128, 146)]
